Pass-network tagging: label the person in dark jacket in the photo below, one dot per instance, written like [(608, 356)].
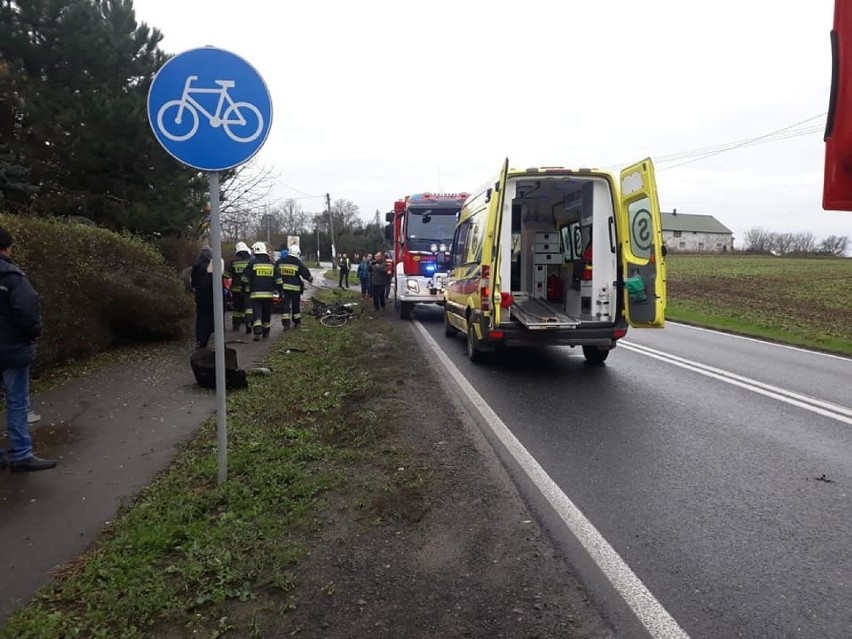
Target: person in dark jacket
[(379, 279), (20, 326), (289, 273), (259, 285), (345, 265), (202, 285)]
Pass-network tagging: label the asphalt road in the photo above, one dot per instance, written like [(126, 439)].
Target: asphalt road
[(718, 468)]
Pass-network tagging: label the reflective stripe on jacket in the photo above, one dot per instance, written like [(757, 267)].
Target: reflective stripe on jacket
[(289, 272), (259, 278), (235, 271)]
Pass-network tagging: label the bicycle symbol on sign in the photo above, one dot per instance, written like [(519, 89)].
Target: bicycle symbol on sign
[(231, 120)]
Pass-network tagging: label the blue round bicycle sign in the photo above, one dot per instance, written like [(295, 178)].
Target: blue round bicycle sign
[(210, 109)]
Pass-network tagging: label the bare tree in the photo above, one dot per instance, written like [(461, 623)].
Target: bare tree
[(781, 242), (244, 196), (758, 240), (294, 220), (834, 245), (804, 242), (347, 216)]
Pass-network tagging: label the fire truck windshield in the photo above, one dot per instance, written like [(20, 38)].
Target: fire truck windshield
[(431, 224)]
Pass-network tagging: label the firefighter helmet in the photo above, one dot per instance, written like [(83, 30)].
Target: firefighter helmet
[(241, 247), (295, 251), (259, 248)]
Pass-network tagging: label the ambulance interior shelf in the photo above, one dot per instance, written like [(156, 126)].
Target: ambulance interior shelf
[(551, 274)]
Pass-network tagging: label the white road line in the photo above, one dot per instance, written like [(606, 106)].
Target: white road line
[(761, 341), (659, 623), (827, 409)]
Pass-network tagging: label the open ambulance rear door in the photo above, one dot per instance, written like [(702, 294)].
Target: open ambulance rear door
[(496, 251), (640, 236)]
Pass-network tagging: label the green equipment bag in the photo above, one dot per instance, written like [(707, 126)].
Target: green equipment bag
[(636, 288)]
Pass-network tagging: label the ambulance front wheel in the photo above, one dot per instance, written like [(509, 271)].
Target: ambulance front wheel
[(595, 355), (405, 310)]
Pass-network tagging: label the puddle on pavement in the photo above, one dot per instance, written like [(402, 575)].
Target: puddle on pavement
[(48, 438), (18, 490)]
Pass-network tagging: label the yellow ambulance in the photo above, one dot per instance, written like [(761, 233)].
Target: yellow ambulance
[(555, 256)]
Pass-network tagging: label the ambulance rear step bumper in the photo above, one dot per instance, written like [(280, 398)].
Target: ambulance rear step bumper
[(537, 315)]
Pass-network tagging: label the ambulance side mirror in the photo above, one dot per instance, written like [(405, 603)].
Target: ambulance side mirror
[(389, 216), (664, 250), (389, 232)]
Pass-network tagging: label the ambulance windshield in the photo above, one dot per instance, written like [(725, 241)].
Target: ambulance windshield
[(431, 223)]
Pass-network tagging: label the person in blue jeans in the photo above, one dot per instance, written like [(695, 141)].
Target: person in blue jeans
[(364, 275), (20, 325)]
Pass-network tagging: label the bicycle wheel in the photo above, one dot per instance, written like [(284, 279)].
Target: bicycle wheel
[(180, 131), (235, 116), (334, 321)]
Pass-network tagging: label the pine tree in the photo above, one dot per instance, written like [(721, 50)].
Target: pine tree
[(82, 69)]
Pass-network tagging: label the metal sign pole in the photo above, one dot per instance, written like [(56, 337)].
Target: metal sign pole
[(218, 327), (211, 142)]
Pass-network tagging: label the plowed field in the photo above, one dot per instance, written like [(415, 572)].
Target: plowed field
[(800, 300)]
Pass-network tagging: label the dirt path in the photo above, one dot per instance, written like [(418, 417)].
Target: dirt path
[(113, 431), (431, 539)]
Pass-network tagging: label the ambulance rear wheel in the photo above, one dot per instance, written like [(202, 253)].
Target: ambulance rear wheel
[(405, 310), (449, 329), (474, 353), (595, 355)]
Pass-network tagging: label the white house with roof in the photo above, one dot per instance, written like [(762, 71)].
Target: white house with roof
[(684, 232)]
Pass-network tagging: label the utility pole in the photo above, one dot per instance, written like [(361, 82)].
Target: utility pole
[(331, 230)]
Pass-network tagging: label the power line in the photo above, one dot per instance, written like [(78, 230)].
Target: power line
[(293, 188), (788, 136), (701, 153), (682, 155), (783, 133)]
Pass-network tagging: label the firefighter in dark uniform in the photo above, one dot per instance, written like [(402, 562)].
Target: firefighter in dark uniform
[(242, 306), (290, 271), (259, 285)]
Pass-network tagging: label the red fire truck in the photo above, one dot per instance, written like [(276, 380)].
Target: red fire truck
[(421, 227)]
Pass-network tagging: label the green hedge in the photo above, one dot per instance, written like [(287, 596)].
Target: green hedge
[(97, 288)]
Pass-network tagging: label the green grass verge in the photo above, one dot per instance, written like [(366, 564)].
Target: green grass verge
[(333, 277), (708, 319), (186, 547), (799, 301)]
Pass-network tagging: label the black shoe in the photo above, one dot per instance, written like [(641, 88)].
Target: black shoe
[(31, 464), (256, 338)]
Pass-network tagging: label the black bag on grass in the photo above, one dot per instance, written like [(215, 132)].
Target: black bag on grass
[(203, 362)]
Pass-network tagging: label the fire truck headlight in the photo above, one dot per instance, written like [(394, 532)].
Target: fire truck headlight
[(412, 286), (442, 248), (434, 248)]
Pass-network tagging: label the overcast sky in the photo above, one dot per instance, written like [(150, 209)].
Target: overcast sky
[(374, 100)]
